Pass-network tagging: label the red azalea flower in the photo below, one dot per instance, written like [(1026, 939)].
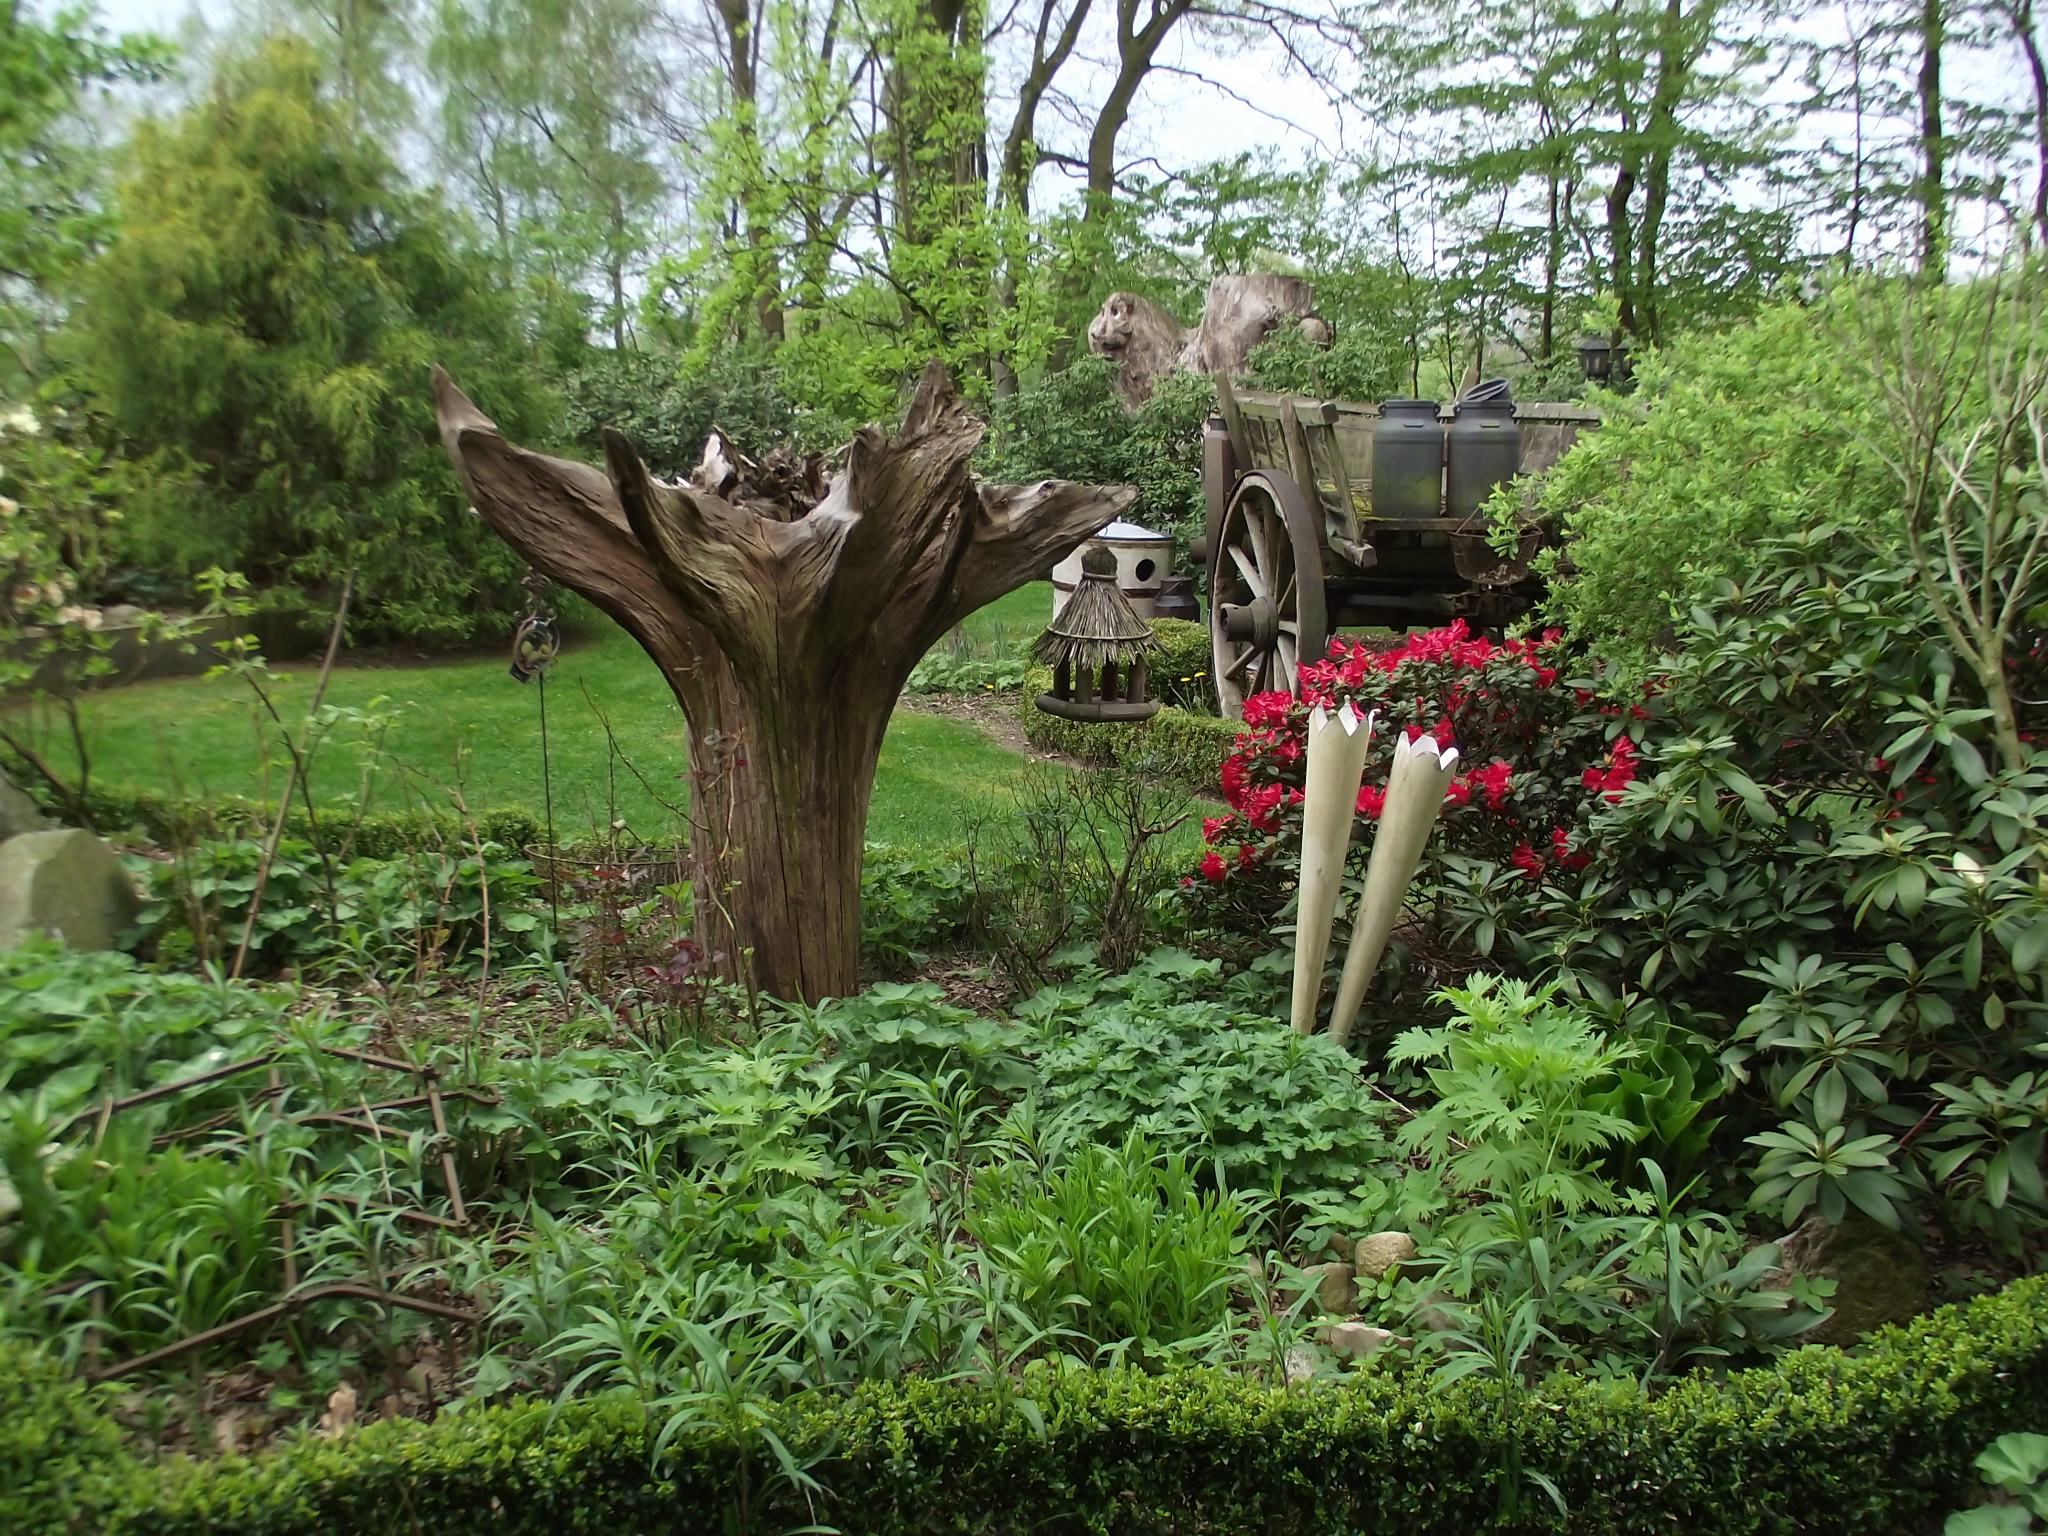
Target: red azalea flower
[(1493, 780), (1233, 777), (1245, 855), (1268, 708), (1457, 792), (1560, 849), (1212, 867), (1262, 808), (1527, 860), (1617, 775), (1371, 801), (1213, 825)]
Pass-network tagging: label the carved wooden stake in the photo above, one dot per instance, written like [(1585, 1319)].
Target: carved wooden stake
[(785, 614)]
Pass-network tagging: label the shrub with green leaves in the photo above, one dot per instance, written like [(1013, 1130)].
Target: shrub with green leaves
[(1729, 439), (1259, 1108), (1821, 1441), (1072, 425), (75, 1027), (910, 902), (1822, 871), (423, 911)]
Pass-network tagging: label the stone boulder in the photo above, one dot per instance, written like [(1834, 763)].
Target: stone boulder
[(18, 813), (66, 883), (1880, 1275), (1333, 1286), (1382, 1251), (1355, 1341)]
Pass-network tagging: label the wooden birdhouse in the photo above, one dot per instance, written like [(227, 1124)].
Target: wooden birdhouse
[(1096, 648)]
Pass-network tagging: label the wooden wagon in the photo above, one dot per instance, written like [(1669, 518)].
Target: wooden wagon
[(1295, 552)]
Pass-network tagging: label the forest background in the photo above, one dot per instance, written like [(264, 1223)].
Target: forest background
[(226, 265)]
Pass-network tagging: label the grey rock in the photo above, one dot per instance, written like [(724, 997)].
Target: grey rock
[(1299, 1364), (66, 883), (18, 813), (1381, 1252), (1356, 1341), (1880, 1275), (1336, 1287)]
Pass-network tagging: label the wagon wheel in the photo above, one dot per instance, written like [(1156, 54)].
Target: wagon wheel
[(1267, 612)]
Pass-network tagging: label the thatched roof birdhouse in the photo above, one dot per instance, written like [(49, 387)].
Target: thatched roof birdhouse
[(1096, 649)]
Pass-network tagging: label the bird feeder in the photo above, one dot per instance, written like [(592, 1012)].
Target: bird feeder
[(1096, 648)]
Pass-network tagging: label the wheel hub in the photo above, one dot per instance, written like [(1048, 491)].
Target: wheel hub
[(1257, 621)]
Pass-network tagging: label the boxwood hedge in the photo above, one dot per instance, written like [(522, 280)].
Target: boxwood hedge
[(1875, 1440), (1185, 749)]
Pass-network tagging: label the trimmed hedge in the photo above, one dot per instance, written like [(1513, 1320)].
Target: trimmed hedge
[(1180, 669), (1187, 750), (170, 820), (62, 1464), (1825, 1441)]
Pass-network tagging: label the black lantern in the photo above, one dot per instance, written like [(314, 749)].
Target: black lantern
[(1096, 648), (1602, 361)]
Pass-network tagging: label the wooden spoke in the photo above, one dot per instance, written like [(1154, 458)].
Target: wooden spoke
[(1268, 563), (1248, 568)]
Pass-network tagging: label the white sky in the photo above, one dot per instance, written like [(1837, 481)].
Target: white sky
[(1180, 120)]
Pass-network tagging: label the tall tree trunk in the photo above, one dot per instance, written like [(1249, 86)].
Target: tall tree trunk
[(1013, 180), (1622, 244), (1675, 58), (1932, 191), (1553, 259), (785, 625), (1137, 49), (742, 58), (2019, 14)]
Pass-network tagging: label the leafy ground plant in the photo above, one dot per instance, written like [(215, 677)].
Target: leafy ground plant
[(2015, 1465)]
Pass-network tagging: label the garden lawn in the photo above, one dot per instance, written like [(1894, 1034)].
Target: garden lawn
[(412, 734)]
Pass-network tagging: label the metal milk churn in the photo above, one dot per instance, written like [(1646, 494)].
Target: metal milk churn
[(1407, 460), (1484, 447)]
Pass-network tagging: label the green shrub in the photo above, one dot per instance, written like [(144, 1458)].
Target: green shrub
[(1073, 426), (426, 906), (1184, 749), (61, 1458), (258, 331), (1264, 1110), (1730, 437), (1179, 669), (1117, 1255), (1821, 1442), (910, 902), (1819, 875), (173, 821), (75, 1026)]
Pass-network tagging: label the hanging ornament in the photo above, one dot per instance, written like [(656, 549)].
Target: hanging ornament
[(534, 647)]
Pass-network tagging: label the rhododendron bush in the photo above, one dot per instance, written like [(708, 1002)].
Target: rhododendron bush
[(1540, 753)]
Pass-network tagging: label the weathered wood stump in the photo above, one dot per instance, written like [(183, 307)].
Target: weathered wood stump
[(1146, 342), (786, 611)]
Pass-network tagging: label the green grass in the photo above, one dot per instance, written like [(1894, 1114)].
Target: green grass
[(425, 732)]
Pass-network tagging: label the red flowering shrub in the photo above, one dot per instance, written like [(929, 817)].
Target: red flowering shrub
[(1538, 755)]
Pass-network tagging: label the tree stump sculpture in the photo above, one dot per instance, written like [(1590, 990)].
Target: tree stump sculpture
[(785, 611), (1146, 342)]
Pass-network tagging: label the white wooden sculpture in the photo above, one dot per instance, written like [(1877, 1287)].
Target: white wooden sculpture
[(1415, 797), (1337, 746)]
